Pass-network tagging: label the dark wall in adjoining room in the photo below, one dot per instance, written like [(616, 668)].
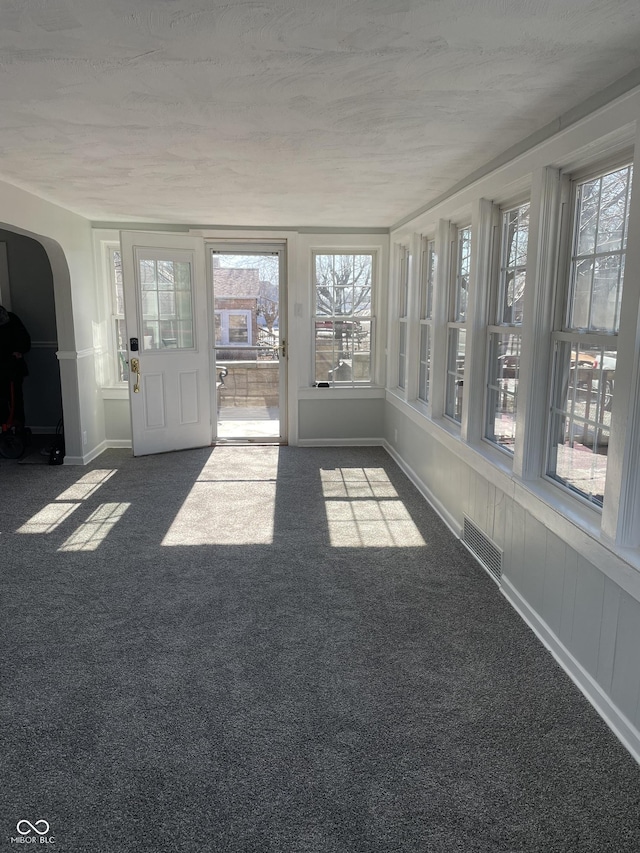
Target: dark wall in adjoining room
[(32, 299)]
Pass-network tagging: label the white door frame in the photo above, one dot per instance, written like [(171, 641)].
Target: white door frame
[(247, 246)]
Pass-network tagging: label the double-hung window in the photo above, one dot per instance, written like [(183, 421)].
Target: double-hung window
[(427, 280), (343, 334), (456, 327), (404, 267), (118, 329), (505, 337), (585, 345)]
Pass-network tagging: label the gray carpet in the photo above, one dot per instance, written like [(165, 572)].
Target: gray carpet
[(280, 649)]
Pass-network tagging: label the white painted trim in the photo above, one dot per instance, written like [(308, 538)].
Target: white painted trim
[(115, 392), (366, 392), (480, 282), (107, 444), (623, 729), (426, 493), (74, 355), (341, 442), (245, 235), (87, 457), (539, 293), (74, 460)]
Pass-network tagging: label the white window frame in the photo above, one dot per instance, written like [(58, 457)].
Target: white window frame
[(457, 323), (501, 326), (368, 318), (118, 357), (568, 339), (428, 275), (404, 271)]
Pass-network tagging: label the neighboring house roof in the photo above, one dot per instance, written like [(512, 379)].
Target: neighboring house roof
[(236, 283)]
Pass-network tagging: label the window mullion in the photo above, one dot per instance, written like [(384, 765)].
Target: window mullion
[(413, 317), (441, 295), (482, 233), (621, 511), (547, 193)]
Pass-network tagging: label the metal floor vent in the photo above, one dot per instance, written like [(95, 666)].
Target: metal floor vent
[(483, 549)]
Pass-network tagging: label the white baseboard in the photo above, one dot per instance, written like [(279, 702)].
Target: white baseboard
[(74, 460), (340, 442), (426, 493), (623, 729), (87, 457), (97, 450), (116, 443)]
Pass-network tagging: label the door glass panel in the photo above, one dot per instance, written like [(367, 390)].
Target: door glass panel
[(167, 304), (248, 347)]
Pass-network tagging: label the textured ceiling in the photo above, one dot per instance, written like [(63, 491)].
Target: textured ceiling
[(287, 112)]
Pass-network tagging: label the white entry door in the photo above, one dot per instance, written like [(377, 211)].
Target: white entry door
[(168, 340)]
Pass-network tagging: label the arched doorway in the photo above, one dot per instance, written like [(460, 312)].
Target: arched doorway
[(27, 288)]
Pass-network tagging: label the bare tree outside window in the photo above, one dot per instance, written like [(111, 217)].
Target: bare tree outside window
[(343, 285), (602, 209), (343, 317)]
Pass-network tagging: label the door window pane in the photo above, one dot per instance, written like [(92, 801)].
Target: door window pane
[(167, 306)]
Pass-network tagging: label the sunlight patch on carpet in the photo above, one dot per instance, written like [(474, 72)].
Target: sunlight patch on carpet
[(87, 485), (364, 510), (48, 518), (92, 532), (225, 513)]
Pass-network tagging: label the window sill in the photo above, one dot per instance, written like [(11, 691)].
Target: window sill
[(115, 392), (367, 392)]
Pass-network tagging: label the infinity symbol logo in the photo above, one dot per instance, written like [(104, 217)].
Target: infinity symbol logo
[(32, 828)]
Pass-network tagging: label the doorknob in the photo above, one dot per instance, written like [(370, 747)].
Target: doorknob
[(278, 347), (135, 368)]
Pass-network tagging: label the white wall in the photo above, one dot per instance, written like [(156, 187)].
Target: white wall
[(571, 571), (329, 415), (315, 415)]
